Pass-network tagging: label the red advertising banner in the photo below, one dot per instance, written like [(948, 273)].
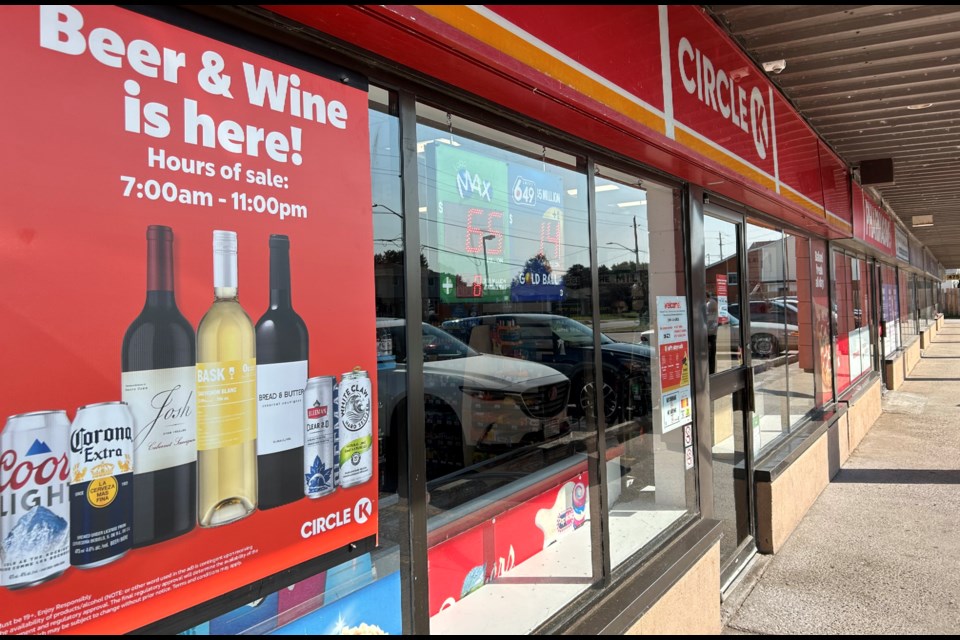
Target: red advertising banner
[(721, 285), (718, 93), (637, 68), (824, 317), (464, 563), (181, 219), (723, 312), (666, 74), (871, 224)]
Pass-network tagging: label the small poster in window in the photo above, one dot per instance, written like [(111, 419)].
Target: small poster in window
[(674, 352), (865, 353), (856, 361), (722, 304)]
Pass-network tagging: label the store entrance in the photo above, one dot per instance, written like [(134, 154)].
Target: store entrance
[(731, 390)]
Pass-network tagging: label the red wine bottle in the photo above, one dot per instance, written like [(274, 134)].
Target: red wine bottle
[(282, 354), (159, 383)]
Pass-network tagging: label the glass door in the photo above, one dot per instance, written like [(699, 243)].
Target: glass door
[(730, 385)]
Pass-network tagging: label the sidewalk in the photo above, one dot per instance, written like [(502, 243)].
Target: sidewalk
[(879, 551)]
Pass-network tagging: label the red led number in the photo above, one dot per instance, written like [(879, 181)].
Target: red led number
[(550, 232), (474, 238)]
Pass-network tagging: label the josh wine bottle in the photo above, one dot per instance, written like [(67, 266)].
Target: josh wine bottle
[(159, 373), (226, 397), (282, 352)]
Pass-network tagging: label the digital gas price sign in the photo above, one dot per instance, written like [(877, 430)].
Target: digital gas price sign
[(499, 229)]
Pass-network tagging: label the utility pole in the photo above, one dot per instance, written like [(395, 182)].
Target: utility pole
[(720, 238), (636, 266), (636, 245), (486, 268)]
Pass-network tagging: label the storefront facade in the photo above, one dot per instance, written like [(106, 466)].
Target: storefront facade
[(886, 298), (650, 302)]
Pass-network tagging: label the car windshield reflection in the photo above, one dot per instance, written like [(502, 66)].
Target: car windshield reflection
[(573, 332), (440, 345), (484, 415)]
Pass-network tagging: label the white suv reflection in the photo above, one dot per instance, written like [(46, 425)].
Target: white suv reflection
[(477, 406)]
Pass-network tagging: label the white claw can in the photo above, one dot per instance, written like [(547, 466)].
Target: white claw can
[(34, 498), (319, 450), (353, 419)]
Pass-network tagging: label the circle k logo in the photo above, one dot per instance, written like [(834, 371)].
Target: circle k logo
[(726, 92), (362, 510)]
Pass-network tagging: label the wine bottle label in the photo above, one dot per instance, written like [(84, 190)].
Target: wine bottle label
[(280, 416), (163, 403), (226, 403)]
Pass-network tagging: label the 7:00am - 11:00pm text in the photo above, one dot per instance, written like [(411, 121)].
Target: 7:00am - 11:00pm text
[(170, 192)]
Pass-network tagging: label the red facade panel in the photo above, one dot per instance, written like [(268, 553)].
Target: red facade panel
[(835, 180), (871, 224), (594, 36), (662, 85), (717, 91)]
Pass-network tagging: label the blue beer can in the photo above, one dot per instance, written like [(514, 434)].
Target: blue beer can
[(319, 447)]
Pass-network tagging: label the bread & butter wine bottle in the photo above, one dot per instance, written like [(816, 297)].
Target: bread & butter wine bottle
[(282, 354)]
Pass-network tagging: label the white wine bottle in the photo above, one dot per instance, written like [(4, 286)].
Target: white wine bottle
[(226, 398)]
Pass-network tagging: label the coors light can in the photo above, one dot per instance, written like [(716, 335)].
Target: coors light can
[(34, 498), (101, 488), (318, 446), (354, 424)]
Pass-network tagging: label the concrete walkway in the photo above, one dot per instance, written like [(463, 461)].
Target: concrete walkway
[(879, 551)]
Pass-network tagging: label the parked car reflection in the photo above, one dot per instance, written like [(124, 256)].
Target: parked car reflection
[(567, 345), (773, 326), (767, 339), (477, 406)]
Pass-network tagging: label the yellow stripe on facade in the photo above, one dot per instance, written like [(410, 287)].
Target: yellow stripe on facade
[(494, 35), (501, 39), (696, 144), (840, 223), (793, 196)]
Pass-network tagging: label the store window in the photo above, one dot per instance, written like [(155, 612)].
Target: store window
[(798, 315), (908, 317), (388, 242), (921, 301), (722, 270), (646, 360), (781, 334), (928, 312), (514, 400), (767, 339), (911, 327), (511, 391), (853, 353), (890, 309), (937, 293)]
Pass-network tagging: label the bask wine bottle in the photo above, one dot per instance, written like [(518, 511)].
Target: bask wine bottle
[(226, 397), (158, 361), (282, 352)]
